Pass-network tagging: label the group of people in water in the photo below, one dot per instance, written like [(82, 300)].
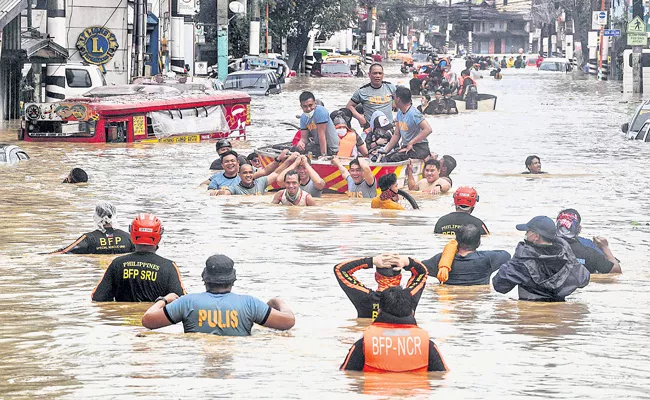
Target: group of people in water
[(548, 265)]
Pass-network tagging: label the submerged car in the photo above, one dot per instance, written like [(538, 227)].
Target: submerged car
[(639, 127), (555, 65), (11, 154), (254, 82)]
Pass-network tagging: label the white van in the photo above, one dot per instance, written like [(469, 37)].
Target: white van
[(79, 78)]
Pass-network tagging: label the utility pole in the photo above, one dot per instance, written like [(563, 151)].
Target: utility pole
[(254, 38), (140, 31), (637, 87), (471, 27), (222, 39), (55, 74)]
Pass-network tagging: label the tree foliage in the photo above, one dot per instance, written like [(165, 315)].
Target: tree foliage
[(295, 19)]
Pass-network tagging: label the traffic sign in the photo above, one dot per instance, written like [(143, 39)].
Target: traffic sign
[(636, 26), (612, 32), (598, 19)]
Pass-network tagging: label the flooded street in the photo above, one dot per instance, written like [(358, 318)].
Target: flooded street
[(56, 343)]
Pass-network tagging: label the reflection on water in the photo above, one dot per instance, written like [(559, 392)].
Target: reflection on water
[(57, 343)]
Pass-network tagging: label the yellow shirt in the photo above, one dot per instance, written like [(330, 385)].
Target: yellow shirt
[(386, 204)]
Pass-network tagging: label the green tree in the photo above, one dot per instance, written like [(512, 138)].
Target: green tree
[(295, 19)]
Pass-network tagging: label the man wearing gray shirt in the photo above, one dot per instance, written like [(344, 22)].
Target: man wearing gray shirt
[(361, 181), (410, 128), (374, 96), (248, 185)]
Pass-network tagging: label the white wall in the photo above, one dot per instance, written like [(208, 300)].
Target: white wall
[(83, 14)]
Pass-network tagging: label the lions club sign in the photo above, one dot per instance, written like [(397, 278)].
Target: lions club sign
[(97, 45)]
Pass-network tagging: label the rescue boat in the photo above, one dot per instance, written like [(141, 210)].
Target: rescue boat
[(331, 174)]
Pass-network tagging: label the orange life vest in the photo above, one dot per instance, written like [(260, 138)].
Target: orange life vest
[(462, 85), (395, 348), (347, 144)]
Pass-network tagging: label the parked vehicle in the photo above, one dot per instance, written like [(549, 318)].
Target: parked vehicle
[(260, 82), (80, 78), (11, 154), (639, 126), (138, 113)]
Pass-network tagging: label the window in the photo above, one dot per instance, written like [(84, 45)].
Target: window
[(78, 78), (505, 2)]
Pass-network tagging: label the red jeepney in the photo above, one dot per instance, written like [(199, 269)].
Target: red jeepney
[(138, 113)]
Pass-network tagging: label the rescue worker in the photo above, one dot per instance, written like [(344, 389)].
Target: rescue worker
[(309, 179), (411, 129), (388, 199), (595, 256), (465, 199), (432, 183), (224, 146), (76, 175), (388, 273), (293, 195), (105, 239), (142, 275), (374, 96), (436, 106), (465, 82), (469, 267), (317, 132), (218, 311), (394, 328), (350, 143), (543, 267), (361, 181)]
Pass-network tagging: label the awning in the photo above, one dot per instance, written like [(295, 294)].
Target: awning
[(152, 19), (38, 50), (10, 9)]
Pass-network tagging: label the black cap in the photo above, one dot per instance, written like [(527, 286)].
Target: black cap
[(541, 225), (219, 269), (223, 143)]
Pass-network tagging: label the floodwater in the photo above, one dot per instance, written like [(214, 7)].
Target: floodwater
[(56, 343)]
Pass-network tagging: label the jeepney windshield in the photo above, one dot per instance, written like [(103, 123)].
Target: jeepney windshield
[(245, 81)]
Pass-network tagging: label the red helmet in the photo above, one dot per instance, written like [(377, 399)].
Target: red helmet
[(465, 196), (146, 229)]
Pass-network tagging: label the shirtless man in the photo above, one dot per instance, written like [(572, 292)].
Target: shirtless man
[(432, 182), (293, 195), (310, 181)]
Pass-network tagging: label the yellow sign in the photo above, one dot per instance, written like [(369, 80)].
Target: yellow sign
[(181, 139), (97, 45), (636, 26), (138, 125)]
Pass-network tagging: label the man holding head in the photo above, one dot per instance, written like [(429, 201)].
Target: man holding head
[(293, 195), (388, 273), (218, 311)]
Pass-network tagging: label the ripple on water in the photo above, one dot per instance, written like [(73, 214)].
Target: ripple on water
[(57, 343)]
